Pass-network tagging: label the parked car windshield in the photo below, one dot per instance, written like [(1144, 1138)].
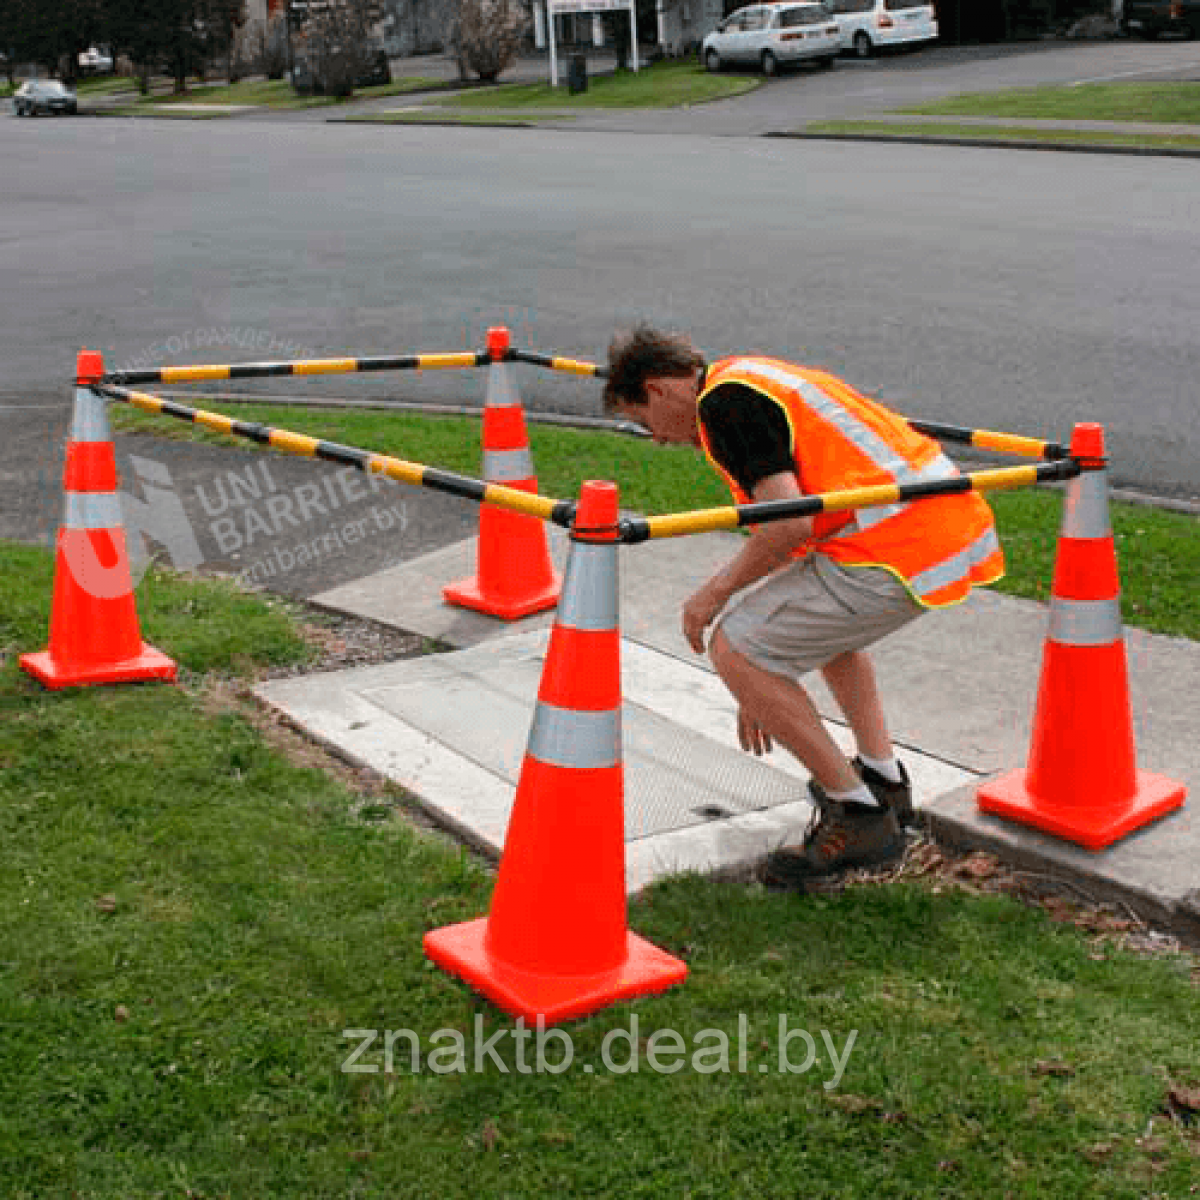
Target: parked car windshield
[(51, 88), (813, 14)]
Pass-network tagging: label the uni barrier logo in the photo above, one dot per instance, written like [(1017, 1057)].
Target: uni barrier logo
[(623, 1051), (248, 509)]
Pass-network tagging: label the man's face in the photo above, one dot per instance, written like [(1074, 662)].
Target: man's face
[(670, 410)]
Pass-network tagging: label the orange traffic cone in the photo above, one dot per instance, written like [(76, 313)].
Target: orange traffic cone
[(94, 635), (555, 944), (514, 576), (1082, 782)]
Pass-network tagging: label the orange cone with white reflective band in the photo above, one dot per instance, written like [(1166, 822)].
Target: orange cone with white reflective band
[(1082, 782), (514, 574), (555, 944), (94, 633)]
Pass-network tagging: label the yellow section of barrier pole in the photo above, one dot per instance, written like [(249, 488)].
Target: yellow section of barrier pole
[(1008, 443), (703, 520), (294, 443), (325, 366), (434, 362), (573, 366), (395, 468), (193, 374), (1006, 477), (528, 503), (218, 422)]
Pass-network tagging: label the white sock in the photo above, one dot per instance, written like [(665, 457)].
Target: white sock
[(889, 768), (860, 795)]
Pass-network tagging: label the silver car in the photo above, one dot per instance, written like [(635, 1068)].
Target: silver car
[(768, 36), (44, 96)]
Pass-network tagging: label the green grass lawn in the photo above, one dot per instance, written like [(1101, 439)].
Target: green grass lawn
[(1171, 103), (665, 84), (279, 93), (1159, 551), (194, 918)]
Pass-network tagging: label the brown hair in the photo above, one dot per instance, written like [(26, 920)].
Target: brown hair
[(643, 353)]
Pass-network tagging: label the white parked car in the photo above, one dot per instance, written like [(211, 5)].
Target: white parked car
[(769, 36), (866, 25), (95, 60)]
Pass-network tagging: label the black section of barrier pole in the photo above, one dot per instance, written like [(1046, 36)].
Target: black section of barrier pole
[(350, 456), (564, 513), (456, 485)]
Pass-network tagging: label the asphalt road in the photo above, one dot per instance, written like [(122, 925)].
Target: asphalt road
[(1007, 289)]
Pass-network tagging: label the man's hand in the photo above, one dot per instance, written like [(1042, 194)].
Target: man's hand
[(753, 737), (699, 613)]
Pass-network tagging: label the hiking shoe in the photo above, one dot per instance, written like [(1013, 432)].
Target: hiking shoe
[(896, 796), (843, 836)]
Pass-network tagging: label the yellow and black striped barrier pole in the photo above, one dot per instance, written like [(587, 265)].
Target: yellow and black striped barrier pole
[(302, 367), (705, 520), (561, 512)]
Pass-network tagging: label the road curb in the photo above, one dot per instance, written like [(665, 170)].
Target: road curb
[(986, 143)]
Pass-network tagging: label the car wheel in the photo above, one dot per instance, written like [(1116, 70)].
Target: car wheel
[(770, 64), (862, 45), (712, 61)]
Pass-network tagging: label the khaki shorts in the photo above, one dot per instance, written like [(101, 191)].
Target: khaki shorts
[(809, 612)]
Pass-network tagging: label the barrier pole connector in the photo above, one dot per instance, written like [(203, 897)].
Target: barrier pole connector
[(555, 945), (94, 632), (1082, 783)]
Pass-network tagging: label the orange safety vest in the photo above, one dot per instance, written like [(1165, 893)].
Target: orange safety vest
[(939, 548)]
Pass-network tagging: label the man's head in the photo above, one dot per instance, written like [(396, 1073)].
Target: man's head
[(654, 379)]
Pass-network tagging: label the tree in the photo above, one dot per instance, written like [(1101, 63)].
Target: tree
[(53, 35), (487, 35), (336, 43)]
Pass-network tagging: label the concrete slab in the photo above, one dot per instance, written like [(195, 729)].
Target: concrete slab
[(451, 729), (960, 686)]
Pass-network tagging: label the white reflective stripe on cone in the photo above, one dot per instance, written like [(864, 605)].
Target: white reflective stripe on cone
[(564, 737), (501, 387), (92, 510), (589, 598), (1085, 512), (1085, 622), (506, 466), (90, 422), (957, 566)]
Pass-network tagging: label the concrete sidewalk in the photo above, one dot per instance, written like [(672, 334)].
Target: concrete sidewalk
[(961, 683)]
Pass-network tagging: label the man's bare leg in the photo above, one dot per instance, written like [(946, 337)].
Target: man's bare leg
[(783, 708), (851, 679)]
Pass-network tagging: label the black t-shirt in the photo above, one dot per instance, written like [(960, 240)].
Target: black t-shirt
[(749, 435)]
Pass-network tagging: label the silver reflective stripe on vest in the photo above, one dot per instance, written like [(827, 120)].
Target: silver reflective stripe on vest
[(957, 567), (501, 388), (505, 466), (589, 591), (860, 435), (1085, 622), (1085, 514), (92, 510), (90, 423), (563, 737)]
